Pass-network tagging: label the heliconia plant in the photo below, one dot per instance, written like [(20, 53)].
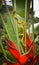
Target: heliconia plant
[(22, 59), (21, 47)]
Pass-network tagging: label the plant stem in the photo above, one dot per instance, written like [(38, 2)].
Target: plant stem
[(32, 23), (25, 24), (29, 30), (28, 51), (32, 29), (14, 4), (5, 26), (16, 27), (5, 52), (10, 17)]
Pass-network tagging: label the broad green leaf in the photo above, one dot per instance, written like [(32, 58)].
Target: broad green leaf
[(9, 24), (9, 29)]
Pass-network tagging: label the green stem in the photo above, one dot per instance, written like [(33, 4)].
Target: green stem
[(10, 17), (14, 4), (18, 41), (32, 23), (29, 30), (5, 53), (16, 27), (28, 51), (25, 23), (5, 26), (32, 29)]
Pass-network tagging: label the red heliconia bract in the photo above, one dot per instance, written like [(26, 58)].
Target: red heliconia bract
[(30, 44), (22, 59), (13, 49)]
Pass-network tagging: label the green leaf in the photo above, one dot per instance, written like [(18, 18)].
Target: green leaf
[(10, 56), (8, 27)]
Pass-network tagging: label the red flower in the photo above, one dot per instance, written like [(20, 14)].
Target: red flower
[(33, 58), (30, 44), (22, 59), (33, 62), (13, 50)]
